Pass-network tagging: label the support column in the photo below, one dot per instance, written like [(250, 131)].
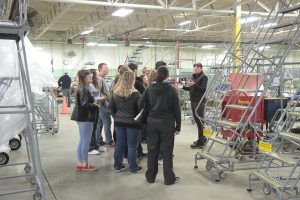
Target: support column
[(177, 55), (237, 35)]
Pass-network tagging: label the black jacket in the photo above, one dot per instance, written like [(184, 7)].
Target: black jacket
[(84, 110), (125, 109), (64, 82), (197, 90), (139, 85), (163, 102)]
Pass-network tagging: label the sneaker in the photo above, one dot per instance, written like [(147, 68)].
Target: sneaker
[(125, 161), (112, 144), (94, 152), (137, 170), (160, 162), (177, 179), (102, 149), (119, 170), (88, 167)]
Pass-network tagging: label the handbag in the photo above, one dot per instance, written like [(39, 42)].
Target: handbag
[(141, 118)]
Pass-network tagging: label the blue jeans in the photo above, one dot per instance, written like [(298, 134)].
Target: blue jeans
[(85, 132), (67, 93), (104, 120), (130, 136)]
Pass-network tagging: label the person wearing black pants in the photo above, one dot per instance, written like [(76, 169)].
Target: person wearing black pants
[(197, 87), (164, 120)]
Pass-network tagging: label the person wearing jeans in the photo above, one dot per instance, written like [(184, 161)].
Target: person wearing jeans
[(124, 107), (126, 137), (65, 83), (84, 115)]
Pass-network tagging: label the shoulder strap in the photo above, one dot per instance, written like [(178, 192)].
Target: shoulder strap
[(200, 77)]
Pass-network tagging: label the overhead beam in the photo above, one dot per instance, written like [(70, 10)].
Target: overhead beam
[(264, 6), (209, 3), (156, 7), (55, 13)]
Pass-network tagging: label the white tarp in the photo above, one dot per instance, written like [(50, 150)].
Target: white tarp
[(11, 89)]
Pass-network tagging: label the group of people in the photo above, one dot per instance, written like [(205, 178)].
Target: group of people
[(128, 97)]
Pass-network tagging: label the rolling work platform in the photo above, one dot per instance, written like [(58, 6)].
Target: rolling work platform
[(15, 32), (236, 149)]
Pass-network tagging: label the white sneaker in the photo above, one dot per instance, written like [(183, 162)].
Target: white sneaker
[(125, 161), (102, 149), (94, 152)]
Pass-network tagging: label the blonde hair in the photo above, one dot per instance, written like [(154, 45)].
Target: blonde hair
[(152, 76), (124, 87)]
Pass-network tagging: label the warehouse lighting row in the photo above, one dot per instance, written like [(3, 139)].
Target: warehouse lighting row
[(92, 44)]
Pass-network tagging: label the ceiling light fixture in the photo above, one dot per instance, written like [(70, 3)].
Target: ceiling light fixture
[(107, 45), (145, 38), (264, 47), (88, 31), (209, 46), (185, 23), (249, 19), (122, 12), (91, 44), (268, 25)]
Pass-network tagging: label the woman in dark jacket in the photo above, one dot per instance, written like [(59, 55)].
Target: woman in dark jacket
[(164, 120), (83, 114), (124, 107)]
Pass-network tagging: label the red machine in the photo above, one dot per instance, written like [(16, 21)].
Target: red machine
[(242, 92)]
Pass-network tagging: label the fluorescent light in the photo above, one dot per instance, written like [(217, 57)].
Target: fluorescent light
[(269, 25), (264, 47), (145, 38), (209, 46), (148, 42), (185, 23), (88, 31), (91, 44), (249, 19), (107, 45), (122, 12)]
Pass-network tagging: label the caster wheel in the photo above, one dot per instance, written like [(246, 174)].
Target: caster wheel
[(32, 180), (222, 175), (267, 190), (249, 190), (37, 196), (195, 167), (14, 144), (20, 137), (209, 166), (27, 169), (4, 158)]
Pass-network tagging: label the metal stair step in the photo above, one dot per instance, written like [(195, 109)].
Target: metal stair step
[(228, 123), (283, 157), (215, 159), (219, 140), (239, 107), (270, 179), (291, 136), (290, 9), (294, 114)]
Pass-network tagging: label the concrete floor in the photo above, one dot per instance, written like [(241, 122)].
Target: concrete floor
[(58, 154)]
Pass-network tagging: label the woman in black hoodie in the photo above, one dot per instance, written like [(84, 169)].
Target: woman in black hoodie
[(164, 120)]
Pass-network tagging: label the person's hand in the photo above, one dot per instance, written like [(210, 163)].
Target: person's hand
[(106, 103), (191, 83), (179, 86), (177, 132)]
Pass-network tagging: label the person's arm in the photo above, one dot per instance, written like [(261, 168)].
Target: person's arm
[(143, 101), (59, 82), (84, 102), (139, 86), (177, 111), (201, 85), (112, 106), (136, 104)]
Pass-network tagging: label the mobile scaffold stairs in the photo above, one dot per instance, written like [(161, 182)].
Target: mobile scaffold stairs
[(235, 123)]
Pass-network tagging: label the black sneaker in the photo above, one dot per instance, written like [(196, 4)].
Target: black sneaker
[(137, 170), (177, 179), (198, 145)]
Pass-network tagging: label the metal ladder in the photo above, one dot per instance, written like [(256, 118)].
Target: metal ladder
[(238, 146), (136, 56), (15, 31), (276, 154)]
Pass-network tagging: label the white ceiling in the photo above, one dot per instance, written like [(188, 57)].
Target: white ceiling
[(212, 20)]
